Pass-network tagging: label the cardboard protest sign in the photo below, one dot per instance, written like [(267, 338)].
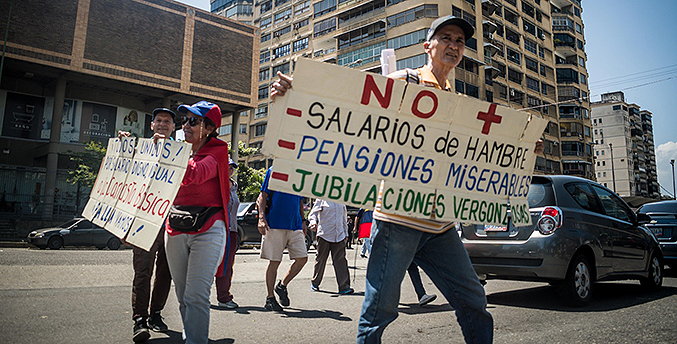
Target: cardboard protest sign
[(136, 186), (432, 154)]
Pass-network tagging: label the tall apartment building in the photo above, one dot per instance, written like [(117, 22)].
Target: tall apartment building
[(526, 54), (624, 147)]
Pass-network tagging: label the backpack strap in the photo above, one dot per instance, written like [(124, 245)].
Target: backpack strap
[(412, 76)]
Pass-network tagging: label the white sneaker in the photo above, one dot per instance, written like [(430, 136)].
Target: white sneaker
[(228, 305), (426, 299)]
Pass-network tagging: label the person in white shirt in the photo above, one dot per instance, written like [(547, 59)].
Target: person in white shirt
[(330, 220)]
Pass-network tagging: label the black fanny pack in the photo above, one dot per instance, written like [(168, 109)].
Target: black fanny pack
[(190, 218)]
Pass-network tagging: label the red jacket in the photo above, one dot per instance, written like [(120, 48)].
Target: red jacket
[(206, 183)]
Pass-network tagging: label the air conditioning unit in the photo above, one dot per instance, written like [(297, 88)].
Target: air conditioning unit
[(542, 35), (272, 57)]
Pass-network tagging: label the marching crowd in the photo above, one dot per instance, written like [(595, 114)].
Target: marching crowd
[(197, 245)]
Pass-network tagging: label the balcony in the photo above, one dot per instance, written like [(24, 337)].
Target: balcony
[(491, 48), (489, 7)]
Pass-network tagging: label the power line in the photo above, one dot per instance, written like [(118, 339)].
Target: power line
[(632, 74)]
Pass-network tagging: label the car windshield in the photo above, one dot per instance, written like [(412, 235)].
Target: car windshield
[(243, 208), (659, 207), (69, 223)]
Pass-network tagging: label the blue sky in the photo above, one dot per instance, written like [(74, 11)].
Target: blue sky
[(630, 43)]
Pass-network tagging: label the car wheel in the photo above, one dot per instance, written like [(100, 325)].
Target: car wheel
[(577, 285), (114, 243), (55, 243), (655, 279)]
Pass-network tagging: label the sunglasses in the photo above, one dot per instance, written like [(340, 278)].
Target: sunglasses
[(193, 121)]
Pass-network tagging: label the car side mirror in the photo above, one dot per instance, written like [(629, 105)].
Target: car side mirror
[(254, 213), (643, 219)]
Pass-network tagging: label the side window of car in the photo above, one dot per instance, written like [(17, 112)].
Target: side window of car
[(584, 197), (613, 206), (84, 225)]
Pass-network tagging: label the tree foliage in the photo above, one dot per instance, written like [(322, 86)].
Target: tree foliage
[(88, 162), (249, 180)]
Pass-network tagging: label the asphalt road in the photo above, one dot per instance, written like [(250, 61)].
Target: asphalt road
[(83, 296)]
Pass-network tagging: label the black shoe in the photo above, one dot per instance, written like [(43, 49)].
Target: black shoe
[(141, 333), (272, 305), (156, 324), (281, 291)]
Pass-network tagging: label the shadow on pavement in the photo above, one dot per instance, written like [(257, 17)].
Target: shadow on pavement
[(606, 296), (175, 337), (314, 314), (414, 308)]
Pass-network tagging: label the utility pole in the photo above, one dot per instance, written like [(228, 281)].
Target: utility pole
[(613, 171), (672, 162)]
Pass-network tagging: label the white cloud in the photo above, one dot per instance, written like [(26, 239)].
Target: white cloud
[(664, 153)]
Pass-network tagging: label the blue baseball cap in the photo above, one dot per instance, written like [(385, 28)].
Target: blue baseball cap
[(204, 108), (232, 163)]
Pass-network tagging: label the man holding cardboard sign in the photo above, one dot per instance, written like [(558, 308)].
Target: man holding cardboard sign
[(400, 239)]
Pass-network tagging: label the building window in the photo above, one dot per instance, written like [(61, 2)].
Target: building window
[(529, 27), (514, 76), (531, 64), (362, 35), (584, 79), (266, 6), (423, 11), (407, 40), (302, 7), (541, 52), (324, 27), (265, 23), (283, 68), (512, 36), (261, 112), (412, 62), (264, 74), (225, 129), (263, 92), (615, 107), (510, 17), (530, 46), (490, 96), (362, 56), (265, 38), (282, 31), (301, 44), (323, 7), (579, 28), (301, 24), (533, 84), (281, 51), (514, 56), (282, 15), (528, 9), (264, 57), (260, 129), (243, 128)]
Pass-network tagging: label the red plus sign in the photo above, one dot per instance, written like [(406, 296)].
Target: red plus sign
[(488, 118)]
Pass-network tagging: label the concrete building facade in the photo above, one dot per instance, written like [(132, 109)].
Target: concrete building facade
[(93, 67), (526, 54), (625, 155)]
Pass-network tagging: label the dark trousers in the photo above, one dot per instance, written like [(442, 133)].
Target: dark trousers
[(143, 271), (224, 280), (338, 258), (415, 277)]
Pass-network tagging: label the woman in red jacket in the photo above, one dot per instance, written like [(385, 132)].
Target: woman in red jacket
[(194, 254)]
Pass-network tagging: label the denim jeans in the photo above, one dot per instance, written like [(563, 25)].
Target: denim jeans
[(193, 260), (444, 260)]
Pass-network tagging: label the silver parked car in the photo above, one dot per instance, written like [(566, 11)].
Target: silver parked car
[(662, 221), (582, 232)]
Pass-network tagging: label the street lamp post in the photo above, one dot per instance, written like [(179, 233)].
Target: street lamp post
[(672, 162), (613, 171)]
